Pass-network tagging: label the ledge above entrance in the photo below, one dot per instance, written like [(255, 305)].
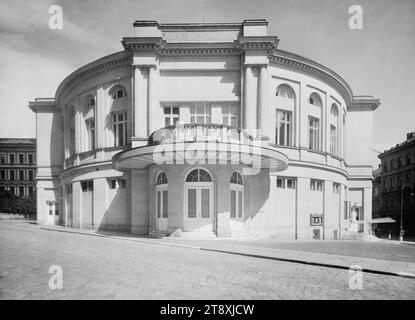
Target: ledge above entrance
[(201, 145)]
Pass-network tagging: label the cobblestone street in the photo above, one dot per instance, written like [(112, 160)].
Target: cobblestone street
[(104, 268)]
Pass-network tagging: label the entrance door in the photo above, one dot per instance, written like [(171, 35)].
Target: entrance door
[(53, 212), (199, 208)]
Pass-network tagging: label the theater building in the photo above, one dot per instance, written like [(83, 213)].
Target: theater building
[(206, 130)]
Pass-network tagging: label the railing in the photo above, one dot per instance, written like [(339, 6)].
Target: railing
[(198, 132)]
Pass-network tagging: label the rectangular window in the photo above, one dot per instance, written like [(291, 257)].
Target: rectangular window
[(30, 175), (283, 131), (286, 183), (314, 133), (119, 128), (87, 186), (230, 116), (21, 191), (11, 158), (21, 158), (30, 191), (200, 114), (21, 175), (336, 187), (122, 183), (2, 158), (112, 183), (30, 158), (171, 115), (11, 175), (11, 189), (333, 140), (90, 128), (2, 175), (316, 185)]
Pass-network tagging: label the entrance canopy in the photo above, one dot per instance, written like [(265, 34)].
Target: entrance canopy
[(198, 144)]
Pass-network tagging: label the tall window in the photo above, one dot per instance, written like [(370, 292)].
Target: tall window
[(171, 116), (119, 128), (21, 158), (314, 133), (87, 185), (230, 116), (21, 175), (333, 140), (30, 158), (11, 158), (334, 134), (30, 175), (2, 158), (283, 131), (90, 128), (11, 175), (30, 191), (21, 191), (237, 194), (162, 195), (200, 114), (2, 175)]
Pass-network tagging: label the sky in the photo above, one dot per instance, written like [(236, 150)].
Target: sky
[(377, 60)]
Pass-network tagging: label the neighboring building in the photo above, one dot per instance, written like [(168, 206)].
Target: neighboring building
[(18, 166), (396, 179), (122, 145)]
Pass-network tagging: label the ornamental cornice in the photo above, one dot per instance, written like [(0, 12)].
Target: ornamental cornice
[(363, 104), (143, 44), (200, 49), (257, 43), (291, 60), (101, 65), (47, 105)]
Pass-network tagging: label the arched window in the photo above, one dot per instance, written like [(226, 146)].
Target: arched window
[(284, 116), (162, 201), (236, 178), (237, 196), (89, 117), (285, 92), (162, 178), (199, 175), (119, 93), (334, 129), (315, 100)]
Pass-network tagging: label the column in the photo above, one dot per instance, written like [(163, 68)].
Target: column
[(139, 107), (263, 103), (76, 204), (250, 110), (78, 132), (65, 133), (140, 201), (100, 118), (152, 99)]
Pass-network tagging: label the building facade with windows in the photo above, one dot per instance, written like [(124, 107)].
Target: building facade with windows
[(18, 166), (206, 129), (393, 182)]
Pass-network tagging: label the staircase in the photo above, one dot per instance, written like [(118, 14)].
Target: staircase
[(157, 234), (351, 235)]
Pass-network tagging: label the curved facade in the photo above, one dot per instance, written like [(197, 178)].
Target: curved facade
[(208, 130)]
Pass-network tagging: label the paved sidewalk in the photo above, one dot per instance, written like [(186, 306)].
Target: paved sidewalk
[(268, 249)]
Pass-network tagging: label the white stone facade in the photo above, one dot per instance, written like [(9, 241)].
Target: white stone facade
[(315, 137)]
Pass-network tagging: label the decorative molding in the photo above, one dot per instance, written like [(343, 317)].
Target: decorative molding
[(192, 49), (303, 64), (143, 44), (46, 105), (365, 104), (257, 43), (115, 60)]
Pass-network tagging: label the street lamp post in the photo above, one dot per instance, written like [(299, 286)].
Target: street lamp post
[(401, 231)]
